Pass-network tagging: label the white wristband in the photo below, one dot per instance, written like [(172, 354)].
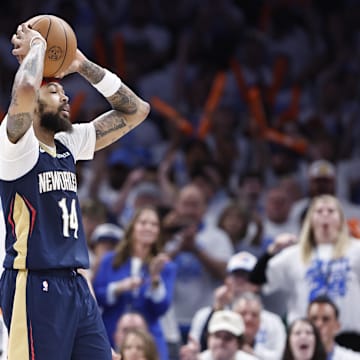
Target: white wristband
[(109, 84), (37, 37)]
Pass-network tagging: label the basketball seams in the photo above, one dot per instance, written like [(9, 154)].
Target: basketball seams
[(49, 24), (47, 34), (66, 46)]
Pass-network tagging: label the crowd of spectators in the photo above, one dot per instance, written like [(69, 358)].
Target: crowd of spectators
[(254, 108)]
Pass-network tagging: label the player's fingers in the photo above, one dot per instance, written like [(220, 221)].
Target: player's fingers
[(19, 31), (14, 39), (25, 28), (16, 52)]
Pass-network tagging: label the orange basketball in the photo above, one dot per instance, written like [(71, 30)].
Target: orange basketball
[(61, 43)]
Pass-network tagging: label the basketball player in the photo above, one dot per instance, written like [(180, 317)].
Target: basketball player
[(47, 305)]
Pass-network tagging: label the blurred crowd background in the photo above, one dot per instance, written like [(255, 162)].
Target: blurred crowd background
[(258, 89)]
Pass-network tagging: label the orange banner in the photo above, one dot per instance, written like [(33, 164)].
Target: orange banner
[(170, 113), (299, 145), (257, 109), (212, 102)]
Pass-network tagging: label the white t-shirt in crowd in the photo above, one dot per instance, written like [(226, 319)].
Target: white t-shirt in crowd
[(339, 279)]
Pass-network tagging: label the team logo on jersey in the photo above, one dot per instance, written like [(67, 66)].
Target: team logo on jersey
[(64, 155), (45, 286), (57, 180)]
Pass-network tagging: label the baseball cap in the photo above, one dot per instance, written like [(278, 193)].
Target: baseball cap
[(107, 232), (226, 320), (321, 169), (241, 261)]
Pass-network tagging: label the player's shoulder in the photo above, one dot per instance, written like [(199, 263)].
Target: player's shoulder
[(77, 129)]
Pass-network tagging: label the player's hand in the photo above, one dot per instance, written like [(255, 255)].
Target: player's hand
[(21, 40), (75, 65)]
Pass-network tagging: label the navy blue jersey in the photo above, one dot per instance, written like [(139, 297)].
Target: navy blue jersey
[(42, 214)]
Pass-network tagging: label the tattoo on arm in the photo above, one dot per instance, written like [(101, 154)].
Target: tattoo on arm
[(109, 123), (17, 125), (32, 66), (123, 100), (91, 72)]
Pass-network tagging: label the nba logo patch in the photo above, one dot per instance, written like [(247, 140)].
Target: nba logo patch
[(45, 286)]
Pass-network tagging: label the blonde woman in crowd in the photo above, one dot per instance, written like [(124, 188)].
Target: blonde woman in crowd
[(324, 260)]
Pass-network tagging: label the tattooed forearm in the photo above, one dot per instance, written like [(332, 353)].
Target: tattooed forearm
[(91, 72), (124, 100), (17, 125), (109, 123), (32, 64), (31, 69)]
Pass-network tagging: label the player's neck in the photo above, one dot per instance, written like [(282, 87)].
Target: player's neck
[(45, 137)]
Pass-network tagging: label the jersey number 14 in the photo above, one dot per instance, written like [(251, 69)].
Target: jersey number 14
[(70, 219)]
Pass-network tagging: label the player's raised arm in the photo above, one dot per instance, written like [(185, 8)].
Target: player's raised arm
[(128, 109), (29, 48)]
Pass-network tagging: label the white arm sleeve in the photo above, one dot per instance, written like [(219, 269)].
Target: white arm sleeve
[(81, 141), (19, 158)]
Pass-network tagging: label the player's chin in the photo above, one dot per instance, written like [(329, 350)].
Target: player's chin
[(66, 124), (65, 115)]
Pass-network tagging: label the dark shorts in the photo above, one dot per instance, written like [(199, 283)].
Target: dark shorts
[(51, 315)]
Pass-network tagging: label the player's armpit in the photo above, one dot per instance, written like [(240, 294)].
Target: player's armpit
[(17, 125)]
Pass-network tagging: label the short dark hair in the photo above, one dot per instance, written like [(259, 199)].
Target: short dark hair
[(325, 299)]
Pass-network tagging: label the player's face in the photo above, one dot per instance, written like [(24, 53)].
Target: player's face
[(54, 109)]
